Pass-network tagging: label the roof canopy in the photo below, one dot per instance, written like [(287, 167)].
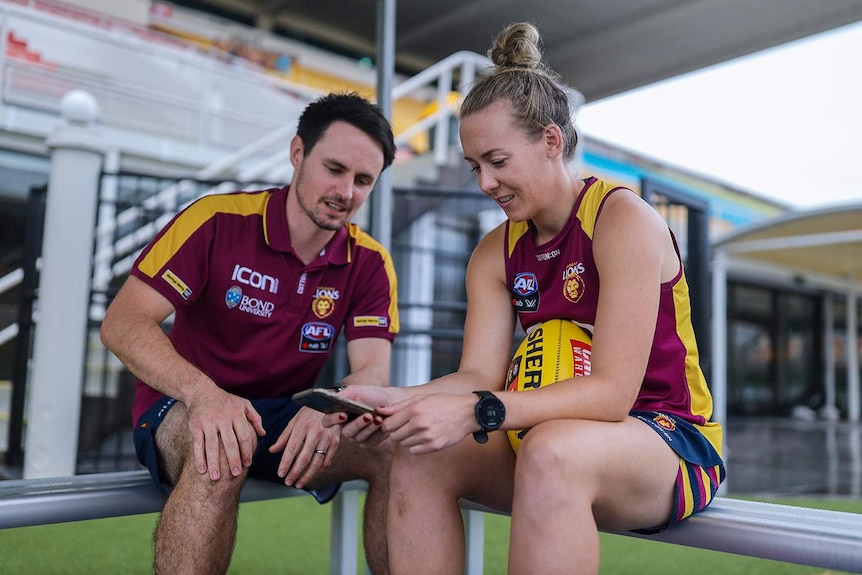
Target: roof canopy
[(825, 243), (821, 246)]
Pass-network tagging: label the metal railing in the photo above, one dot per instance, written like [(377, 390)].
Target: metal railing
[(7, 283)]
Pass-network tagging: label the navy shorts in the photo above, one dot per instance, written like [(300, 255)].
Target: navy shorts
[(276, 413), (701, 469)]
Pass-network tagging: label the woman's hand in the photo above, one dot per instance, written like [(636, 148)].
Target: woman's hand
[(365, 430), (430, 422)]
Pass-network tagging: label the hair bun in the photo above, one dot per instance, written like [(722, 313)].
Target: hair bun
[(517, 46)]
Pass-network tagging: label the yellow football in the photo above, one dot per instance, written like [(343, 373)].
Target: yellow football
[(554, 350)]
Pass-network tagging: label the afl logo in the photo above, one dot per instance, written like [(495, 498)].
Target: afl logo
[(316, 337), (233, 297), (317, 331), (525, 284)]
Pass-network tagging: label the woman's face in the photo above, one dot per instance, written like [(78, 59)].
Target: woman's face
[(509, 165)]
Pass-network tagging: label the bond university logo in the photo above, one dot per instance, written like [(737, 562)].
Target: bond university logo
[(573, 283), (316, 337), (252, 305), (233, 296), (525, 292)]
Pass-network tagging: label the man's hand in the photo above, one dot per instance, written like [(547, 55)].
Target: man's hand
[(308, 446), (220, 420)]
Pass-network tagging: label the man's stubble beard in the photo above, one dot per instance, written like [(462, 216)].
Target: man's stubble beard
[(318, 220)]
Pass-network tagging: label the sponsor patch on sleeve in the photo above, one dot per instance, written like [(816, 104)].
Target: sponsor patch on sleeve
[(370, 321), (176, 283)]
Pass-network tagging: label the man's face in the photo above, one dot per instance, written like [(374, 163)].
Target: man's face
[(336, 177)]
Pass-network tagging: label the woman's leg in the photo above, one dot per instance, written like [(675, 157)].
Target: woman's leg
[(426, 531), (574, 477)]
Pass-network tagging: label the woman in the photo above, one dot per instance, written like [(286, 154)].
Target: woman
[(629, 446)]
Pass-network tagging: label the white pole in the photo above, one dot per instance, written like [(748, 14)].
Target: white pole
[(414, 365), (719, 336), (719, 349), (441, 131), (829, 355), (852, 356), (77, 151)]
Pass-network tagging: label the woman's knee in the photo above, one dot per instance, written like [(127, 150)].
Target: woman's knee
[(553, 455)]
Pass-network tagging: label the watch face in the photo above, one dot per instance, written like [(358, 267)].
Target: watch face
[(491, 412)]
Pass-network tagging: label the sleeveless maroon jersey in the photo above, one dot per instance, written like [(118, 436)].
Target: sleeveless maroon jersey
[(559, 280)]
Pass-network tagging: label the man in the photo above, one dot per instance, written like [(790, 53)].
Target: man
[(260, 284)]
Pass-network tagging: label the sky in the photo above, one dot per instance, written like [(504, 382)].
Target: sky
[(784, 123)]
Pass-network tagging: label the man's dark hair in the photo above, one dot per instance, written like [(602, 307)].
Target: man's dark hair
[(353, 109)]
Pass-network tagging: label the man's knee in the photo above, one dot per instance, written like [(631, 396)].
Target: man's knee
[(174, 442)]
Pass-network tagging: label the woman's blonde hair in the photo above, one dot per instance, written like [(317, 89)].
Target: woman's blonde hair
[(521, 77)]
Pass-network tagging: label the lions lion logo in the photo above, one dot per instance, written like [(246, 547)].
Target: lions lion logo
[(322, 306), (665, 422), (573, 288)]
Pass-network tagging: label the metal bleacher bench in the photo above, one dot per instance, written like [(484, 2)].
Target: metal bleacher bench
[(814, 537)]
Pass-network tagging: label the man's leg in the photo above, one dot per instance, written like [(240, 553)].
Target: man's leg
[(197, 527)]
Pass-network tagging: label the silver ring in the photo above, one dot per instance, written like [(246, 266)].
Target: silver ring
[(320, 451)]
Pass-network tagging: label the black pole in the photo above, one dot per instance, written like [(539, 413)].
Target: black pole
[(21, 355)]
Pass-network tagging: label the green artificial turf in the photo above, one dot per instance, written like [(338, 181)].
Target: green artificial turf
[(291, 537)]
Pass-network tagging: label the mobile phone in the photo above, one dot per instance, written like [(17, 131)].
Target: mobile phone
[(328, 401)]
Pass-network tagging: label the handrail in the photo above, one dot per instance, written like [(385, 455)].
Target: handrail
[(8, 282), (11, 280), (8, 333), (431, 74)]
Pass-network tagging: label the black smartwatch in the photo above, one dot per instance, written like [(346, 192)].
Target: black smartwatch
[(490, 414)]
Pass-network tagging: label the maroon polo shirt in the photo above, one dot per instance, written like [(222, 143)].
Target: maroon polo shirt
[(249, 313)]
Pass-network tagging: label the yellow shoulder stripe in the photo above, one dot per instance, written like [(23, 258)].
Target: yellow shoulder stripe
[(588, 210), (366, 241), (516, 230), (196, 215)]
